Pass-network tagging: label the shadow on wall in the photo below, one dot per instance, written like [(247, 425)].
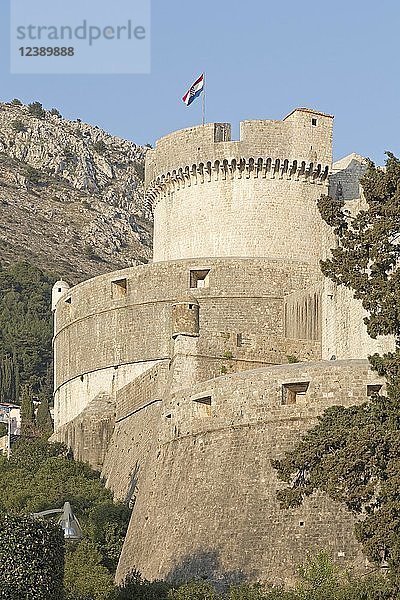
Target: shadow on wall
[(206, 565), (130, 497)]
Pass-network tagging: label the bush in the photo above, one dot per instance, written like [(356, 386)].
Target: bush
[(85, 577), (36, 110), (32, 175), (16, 102), (99, 147), (31, 559), (291, 358), (56, 113), (18, 126)]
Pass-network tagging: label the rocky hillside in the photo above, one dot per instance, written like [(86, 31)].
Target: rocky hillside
[(71, 195)]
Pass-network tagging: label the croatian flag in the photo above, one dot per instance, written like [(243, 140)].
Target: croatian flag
[(194, 91)]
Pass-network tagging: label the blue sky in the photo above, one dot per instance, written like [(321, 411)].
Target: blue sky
[(262, 59)]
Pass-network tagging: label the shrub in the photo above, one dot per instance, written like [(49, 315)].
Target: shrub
[(16, 102), (18, 126), (99, 147), (291, 358), (36, 110), (55, 113), (33, 175), (31, 559)]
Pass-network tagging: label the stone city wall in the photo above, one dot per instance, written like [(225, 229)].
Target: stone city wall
[(207, 506)]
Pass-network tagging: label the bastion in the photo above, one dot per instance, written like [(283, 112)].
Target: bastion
[(182, 379)]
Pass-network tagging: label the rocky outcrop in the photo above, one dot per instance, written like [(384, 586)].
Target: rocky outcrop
[(71, 195)]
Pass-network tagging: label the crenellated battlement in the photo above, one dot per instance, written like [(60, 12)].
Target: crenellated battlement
[(237, 168), (304, 136)]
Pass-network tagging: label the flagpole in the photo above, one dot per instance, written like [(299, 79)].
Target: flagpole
[(204, 100)]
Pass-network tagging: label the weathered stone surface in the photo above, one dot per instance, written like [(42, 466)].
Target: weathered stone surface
[(193, 350)]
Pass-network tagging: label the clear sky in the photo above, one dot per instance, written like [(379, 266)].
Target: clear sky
[(262, 59)]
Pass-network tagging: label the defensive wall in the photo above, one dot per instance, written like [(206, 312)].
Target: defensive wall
[(112, 328), (196, 467)]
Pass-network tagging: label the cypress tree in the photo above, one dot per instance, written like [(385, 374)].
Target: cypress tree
[(28, 427), (44, 422)]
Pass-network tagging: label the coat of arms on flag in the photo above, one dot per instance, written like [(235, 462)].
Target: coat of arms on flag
[(194, 91)]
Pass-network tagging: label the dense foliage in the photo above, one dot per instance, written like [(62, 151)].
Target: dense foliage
[(31, 559), (40, 476), (318, 580), (353, 454), (25, 331)]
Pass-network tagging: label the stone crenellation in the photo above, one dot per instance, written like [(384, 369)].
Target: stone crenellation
[(182, 379)]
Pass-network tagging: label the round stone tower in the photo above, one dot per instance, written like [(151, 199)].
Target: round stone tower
[(255, 197)]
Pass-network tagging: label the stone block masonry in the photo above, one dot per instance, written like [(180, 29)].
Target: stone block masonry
[(174, 378)]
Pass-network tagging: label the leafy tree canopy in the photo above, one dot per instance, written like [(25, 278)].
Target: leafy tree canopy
[(39, 476)]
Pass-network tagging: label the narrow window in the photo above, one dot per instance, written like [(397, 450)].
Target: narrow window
[(239, 340), (373, 388), (203, 406), (118, 288), (314, 122), (292, 391), (199, 278), (59, 290)]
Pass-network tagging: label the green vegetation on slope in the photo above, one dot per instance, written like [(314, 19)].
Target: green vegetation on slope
[(40, 476), (25, 331)]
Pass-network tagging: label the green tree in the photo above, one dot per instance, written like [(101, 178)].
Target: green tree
[(18, 126), (41, 476), (26, 327), (16, 102), (28, 425), (85, 576), (44, 422), (31, 559), (353, 454), (36, 110), (9, 379)]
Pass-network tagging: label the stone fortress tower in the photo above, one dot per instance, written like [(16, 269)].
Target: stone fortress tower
[(183, 378)]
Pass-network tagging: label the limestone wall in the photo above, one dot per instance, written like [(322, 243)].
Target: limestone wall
[(254, 197), (344, 332), (114, 327), (206, 504)]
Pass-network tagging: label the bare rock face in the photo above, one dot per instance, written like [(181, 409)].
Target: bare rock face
[(71, 195)]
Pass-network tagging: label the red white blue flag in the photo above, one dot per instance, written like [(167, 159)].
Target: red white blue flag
[(194, 91)]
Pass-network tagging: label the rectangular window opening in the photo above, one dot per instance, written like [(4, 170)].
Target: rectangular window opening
[(199, 278), (119, 288), (314, 122), (291, 392), (373, 388), (203, 406)]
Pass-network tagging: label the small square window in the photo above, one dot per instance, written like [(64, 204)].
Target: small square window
[(203, 406), (314, 122), (292, 391), (199, 278), (119, 288), (59, 290)]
